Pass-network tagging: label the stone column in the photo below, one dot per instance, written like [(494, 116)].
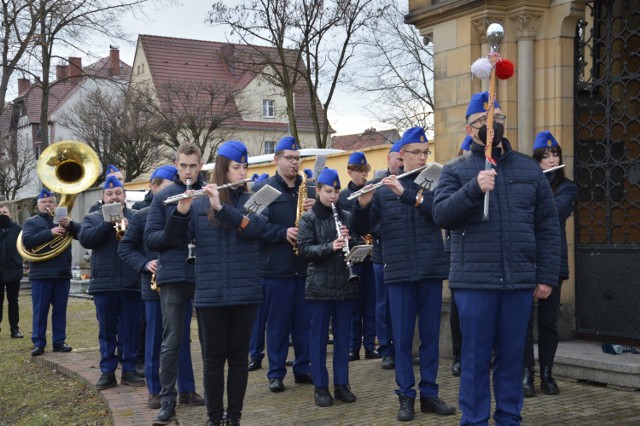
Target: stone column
[(525, 34)]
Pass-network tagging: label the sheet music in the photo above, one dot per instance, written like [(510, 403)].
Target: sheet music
[(429, 177), (112, 212), (60, 213), (359, 253), (318, 167), (261, 199)]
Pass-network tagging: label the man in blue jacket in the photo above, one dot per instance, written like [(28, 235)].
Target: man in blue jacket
[(50, 279), (414, 268), (115, 290), (175, 276), (283, 274), (497, 265)]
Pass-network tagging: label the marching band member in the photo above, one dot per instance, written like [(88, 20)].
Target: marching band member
[(133, 251), (50, 279), (116, 291), (330, 295), (415, 266), (227, 287), (10, 269), (174, 276), (111, 171)]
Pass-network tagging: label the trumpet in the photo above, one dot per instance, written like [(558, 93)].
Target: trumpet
[(174, 199), (379, 184), (120, 227), (353, 278), (154, 284)]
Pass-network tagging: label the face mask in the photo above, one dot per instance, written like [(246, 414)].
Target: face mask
[(498, 133), (4, 221)]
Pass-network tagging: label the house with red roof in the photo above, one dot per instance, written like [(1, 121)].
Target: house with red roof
[(370, 137), (254, 107)]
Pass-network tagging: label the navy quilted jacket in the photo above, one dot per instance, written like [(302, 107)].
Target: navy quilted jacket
[(412, 248), (133, 251), (108, 271), (226, 257), (519, 246), (564, 195), (172, 257)]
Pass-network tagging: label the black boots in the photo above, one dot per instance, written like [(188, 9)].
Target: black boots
[(323, 397), (527, 382), (343, 393), (436, 405), (106, 381), (456, 366), (405, 413), (255, 364), (166, 414), (547, 384)]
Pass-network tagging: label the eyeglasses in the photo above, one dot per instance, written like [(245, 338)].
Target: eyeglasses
[(290, 158), (482, 121), (418, 152)]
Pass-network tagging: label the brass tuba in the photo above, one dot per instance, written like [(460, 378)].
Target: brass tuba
[(68, 168)]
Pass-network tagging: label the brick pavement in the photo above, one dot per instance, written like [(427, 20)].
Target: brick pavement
[(577, 404)]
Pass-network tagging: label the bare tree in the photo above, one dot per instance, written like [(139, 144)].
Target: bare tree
[(15, 165), (311, 42), (395, 69)]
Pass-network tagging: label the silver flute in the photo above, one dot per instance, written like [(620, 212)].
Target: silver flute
[(200, 192), (379, 184)]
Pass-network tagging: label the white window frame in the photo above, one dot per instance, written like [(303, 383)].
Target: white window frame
[(268, 108), (269, 144)]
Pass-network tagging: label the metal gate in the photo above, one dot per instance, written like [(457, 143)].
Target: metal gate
[(607, 169)]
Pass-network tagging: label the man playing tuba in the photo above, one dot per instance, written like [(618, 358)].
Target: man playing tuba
[(51, 278)]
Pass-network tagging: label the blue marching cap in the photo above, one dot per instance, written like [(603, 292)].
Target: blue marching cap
[(287, 142), (164, 172), (259, 178), (545, 139), (112, 169), (329, 177), (395, 147), (480, 103), (112, 182), (466, 143), (413, 135), (44, 193), (308, 173), (357, 158), (234, 150)]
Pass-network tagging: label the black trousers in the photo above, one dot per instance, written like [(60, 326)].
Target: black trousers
[(225, 337), (13, 289), (547, 330), (454, 322)]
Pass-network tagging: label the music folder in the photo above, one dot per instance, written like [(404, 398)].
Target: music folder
[(112, 212), (429, 177), (60, 213), (261, 199), (358, 254)]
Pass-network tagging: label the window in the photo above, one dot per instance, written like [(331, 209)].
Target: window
[(268, 108), (269, 147)]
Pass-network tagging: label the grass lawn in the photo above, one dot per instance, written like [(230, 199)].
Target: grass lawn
[(32, 395)]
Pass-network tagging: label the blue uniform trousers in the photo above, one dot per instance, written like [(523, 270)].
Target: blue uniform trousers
[(45, 293), (118, 314), (424, 300), (363, 330), (492, 320), (256, 342), (321, 312), (153, 316), (382, 314), (286, 310)]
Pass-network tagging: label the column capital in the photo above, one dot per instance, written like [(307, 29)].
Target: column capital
[(481, 25), (525, 25)]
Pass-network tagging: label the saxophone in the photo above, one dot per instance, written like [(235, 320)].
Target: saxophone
[(302, 195)]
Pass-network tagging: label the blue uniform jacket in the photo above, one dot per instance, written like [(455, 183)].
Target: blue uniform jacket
[(134, 253), (226, 256), (172, 258), (519, 246), (565, 196), (350, 206), (413, 249), (108, 271), (37, 231)]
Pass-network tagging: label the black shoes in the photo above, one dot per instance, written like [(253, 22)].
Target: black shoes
[(323, 397), (106, 381), (37, 350), (255, 364), (354, 355), (153, 401), (63, 347), (405, 413), (547, 384), (303, 379), (527, 382), (343, 393), (15, 334), (276, 385), (191, 398), (388, 363), (166, 414), (436, 405), (288, 363), (131, 378), (371, 354), (456, 367)]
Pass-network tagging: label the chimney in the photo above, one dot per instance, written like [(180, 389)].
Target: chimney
[(114, 60), (62, 72), (23, 85), (229, 56), (75, 68)]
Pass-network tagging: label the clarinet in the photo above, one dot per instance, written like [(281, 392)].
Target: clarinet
[(353, 278)]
